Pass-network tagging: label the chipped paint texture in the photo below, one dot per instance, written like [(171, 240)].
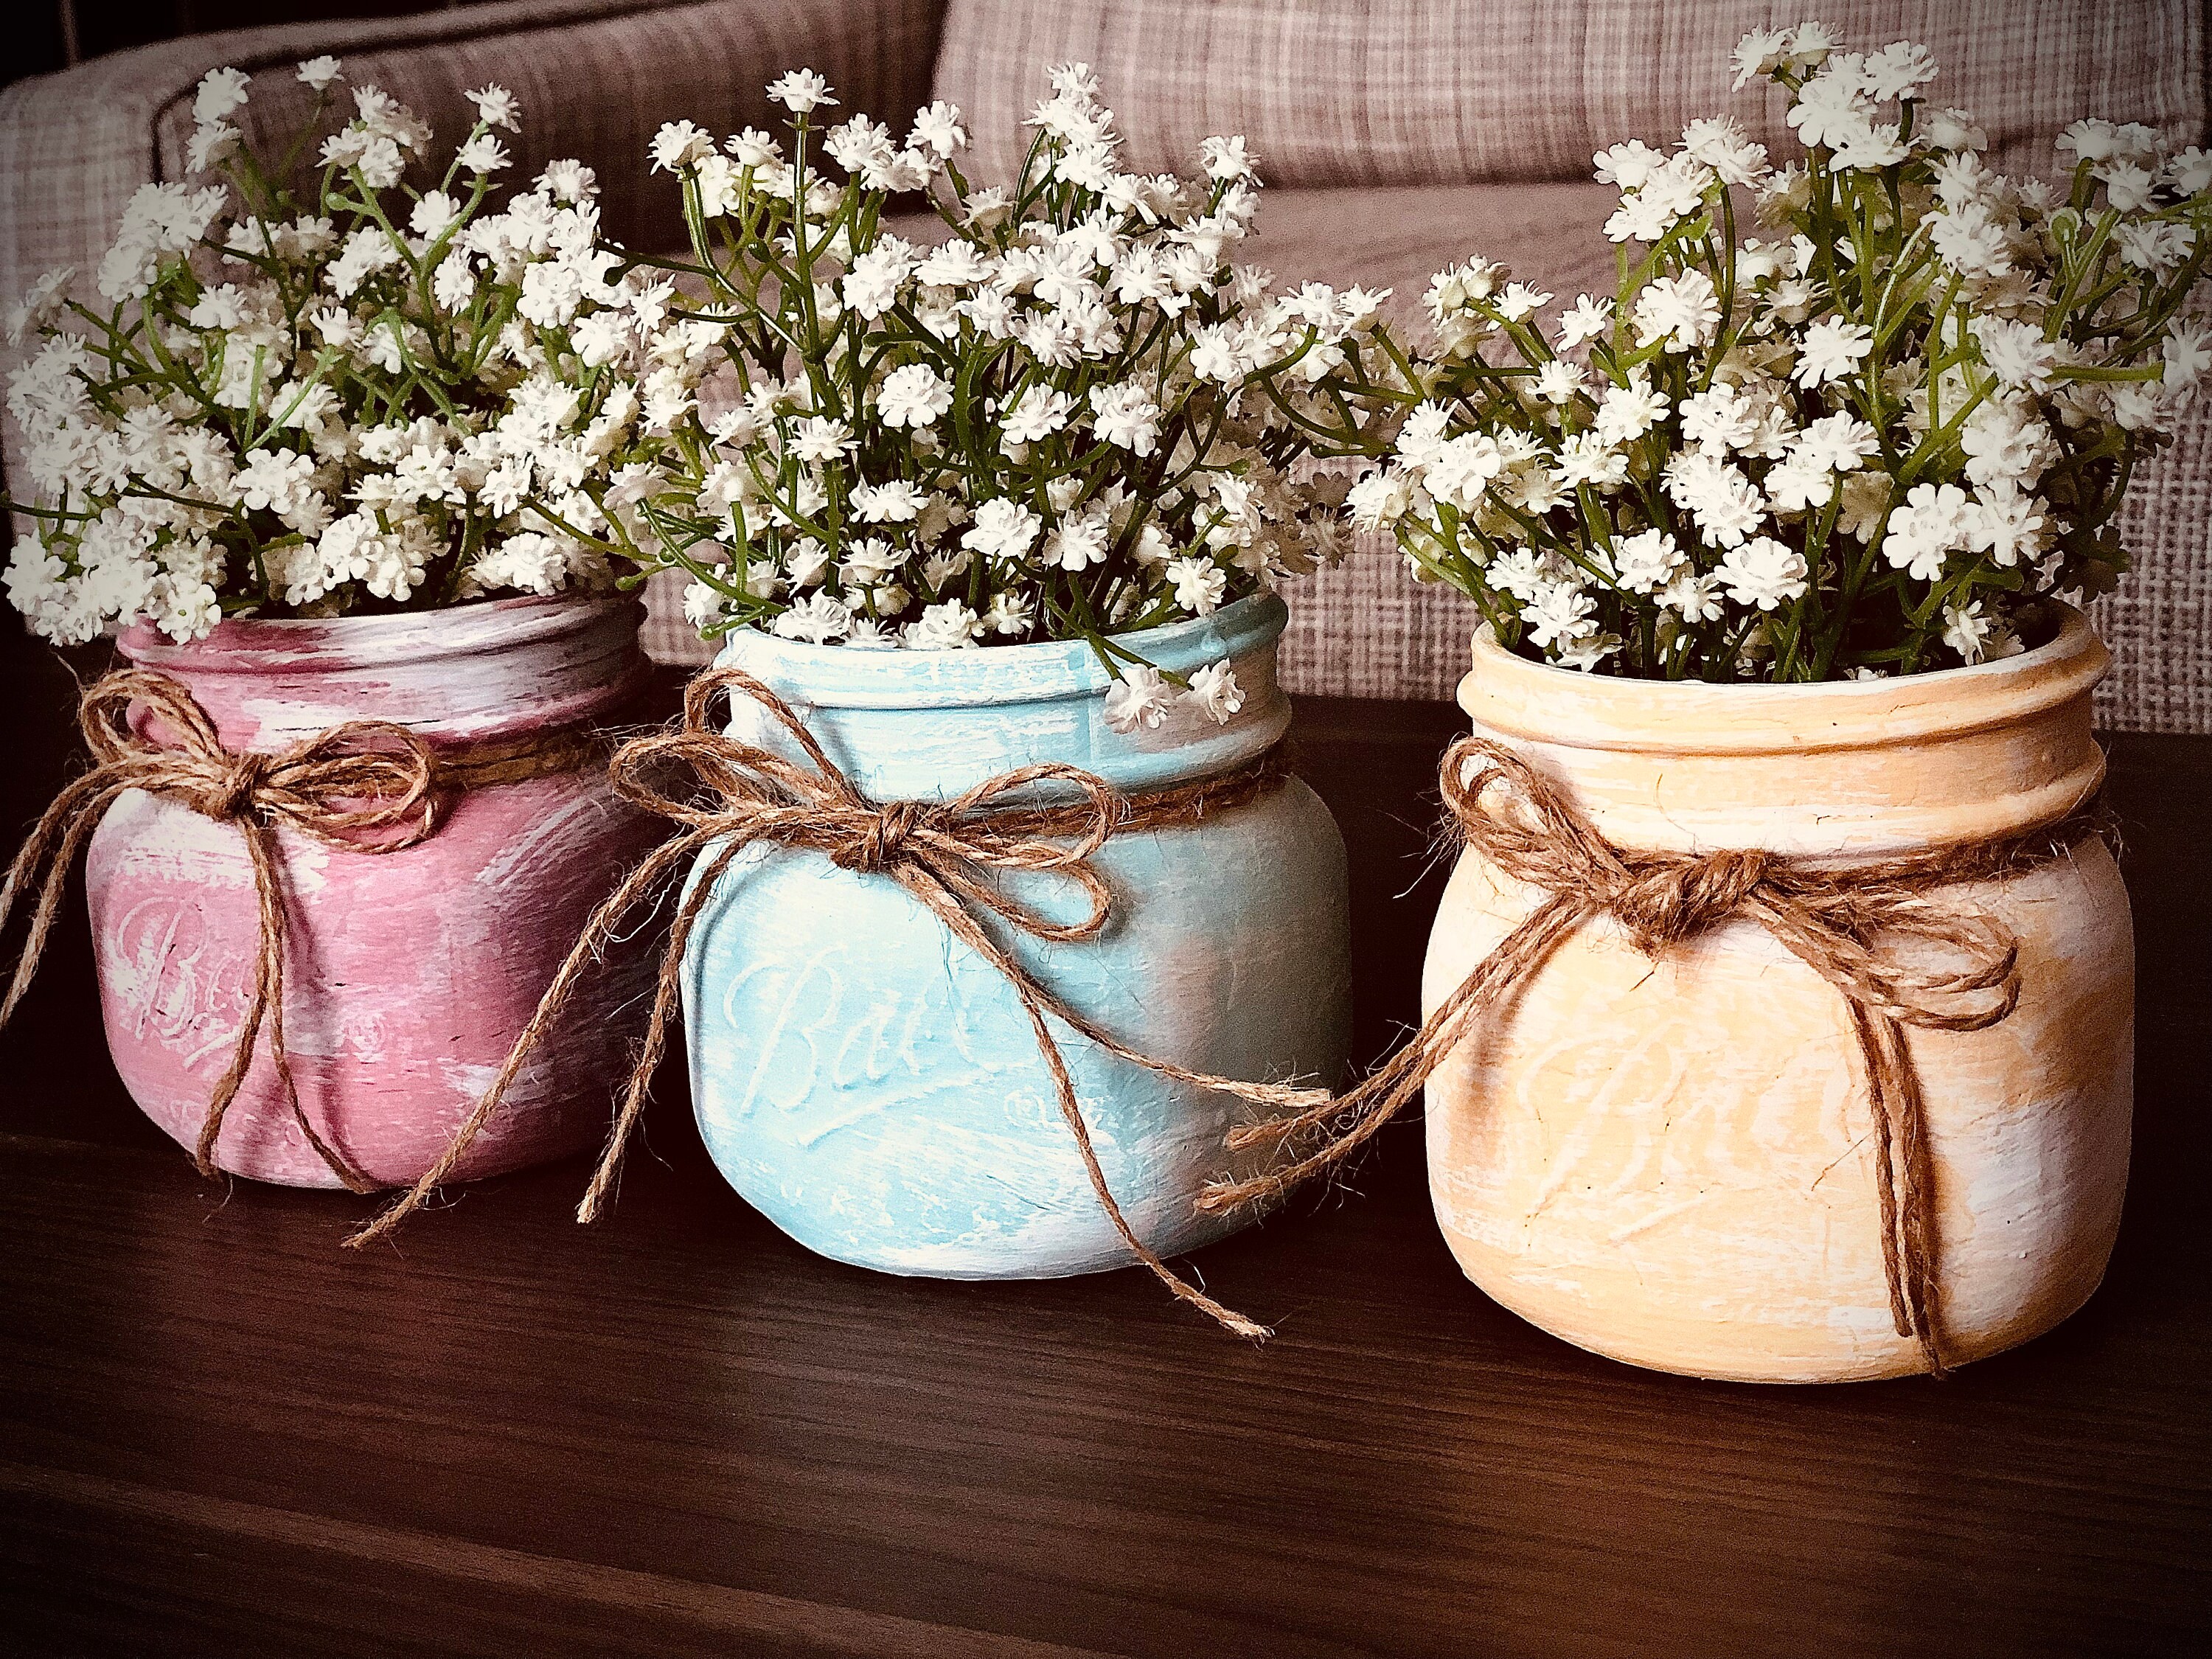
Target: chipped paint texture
[(409, 974), (1672, 1164), (874, 1087)]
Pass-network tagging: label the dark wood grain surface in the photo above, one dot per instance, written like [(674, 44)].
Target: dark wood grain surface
[(679, 1434)]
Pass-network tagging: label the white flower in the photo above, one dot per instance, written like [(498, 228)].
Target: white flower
[(1200, 584), (822, 438), (1379, 499), (210, 144), (1831, 349), (1967, 630), (913, 396), (2089, 141), (946, 626), (801, 91), (433, 214), (496, 108), (1586, 321), (1695, 598), (1933, 524), (2008, 526), (1727, 506), (1627, 165), (273, 479), (317, 73), (1078, 542), (1140, 698), (937, 128), (1683, 311), (1556, 381), (1461, 468), (1648, 561), (1125, 414), (818, 619), (1627, 412), (219, 92), (1898, 70), (2186, 352), (2154, 247), (896, 502), (1036, 415), (2015, 352), (1226, 160), (1215, 689), (1586, 458), (1721, 144), (1803, 482), (1560, 611), (680, 145), (1838, 442), (1763, 572), (1720, 419), (1519, 300), (1011, 615), (1003, 530), (481, 154), (1760, 52)]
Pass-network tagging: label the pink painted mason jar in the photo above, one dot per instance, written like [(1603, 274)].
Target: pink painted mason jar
[(408, 974)]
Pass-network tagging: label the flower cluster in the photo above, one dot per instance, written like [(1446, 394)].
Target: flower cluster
[(1023, 423), (1867, 442), (389, 398)]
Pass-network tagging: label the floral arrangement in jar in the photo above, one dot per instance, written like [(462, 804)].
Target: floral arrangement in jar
[(379, 398), (1864, 441), (1031, 427)]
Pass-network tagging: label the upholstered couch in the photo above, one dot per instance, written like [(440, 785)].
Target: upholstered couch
[(1395, 136)]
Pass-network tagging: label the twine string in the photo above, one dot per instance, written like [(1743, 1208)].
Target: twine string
[(1829, 918), (368, 785), (945, 854)]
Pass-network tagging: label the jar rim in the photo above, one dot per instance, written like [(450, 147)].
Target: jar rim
[(249, 645), (1510, 694), (837, 675)]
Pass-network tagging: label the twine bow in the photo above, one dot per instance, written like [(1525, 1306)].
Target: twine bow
[(945, 854), (366, 786), (1829, 918)]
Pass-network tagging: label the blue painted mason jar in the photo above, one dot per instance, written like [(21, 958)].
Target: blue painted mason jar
[(874, 1086)]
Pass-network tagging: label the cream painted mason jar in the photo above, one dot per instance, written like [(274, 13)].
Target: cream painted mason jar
[(1672, 1162)]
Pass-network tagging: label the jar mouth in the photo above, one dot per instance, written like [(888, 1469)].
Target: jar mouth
[(1508, 693), (250, 645), (839, 676)]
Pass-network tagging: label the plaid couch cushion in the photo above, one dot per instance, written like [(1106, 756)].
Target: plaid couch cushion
[(1397, 91)]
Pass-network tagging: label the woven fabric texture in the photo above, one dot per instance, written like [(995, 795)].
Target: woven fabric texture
[(1411, 91)]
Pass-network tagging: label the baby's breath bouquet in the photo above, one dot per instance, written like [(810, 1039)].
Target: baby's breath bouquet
[(1028, 426), (385, 398), (1867, 443)]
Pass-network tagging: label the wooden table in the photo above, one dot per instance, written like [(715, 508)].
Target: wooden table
[(679, 1434)]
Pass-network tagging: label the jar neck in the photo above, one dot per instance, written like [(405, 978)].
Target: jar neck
[(474, 673), (1847, 771), (926, 725)]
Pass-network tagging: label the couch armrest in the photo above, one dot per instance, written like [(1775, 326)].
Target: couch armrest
[(596, 78)]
